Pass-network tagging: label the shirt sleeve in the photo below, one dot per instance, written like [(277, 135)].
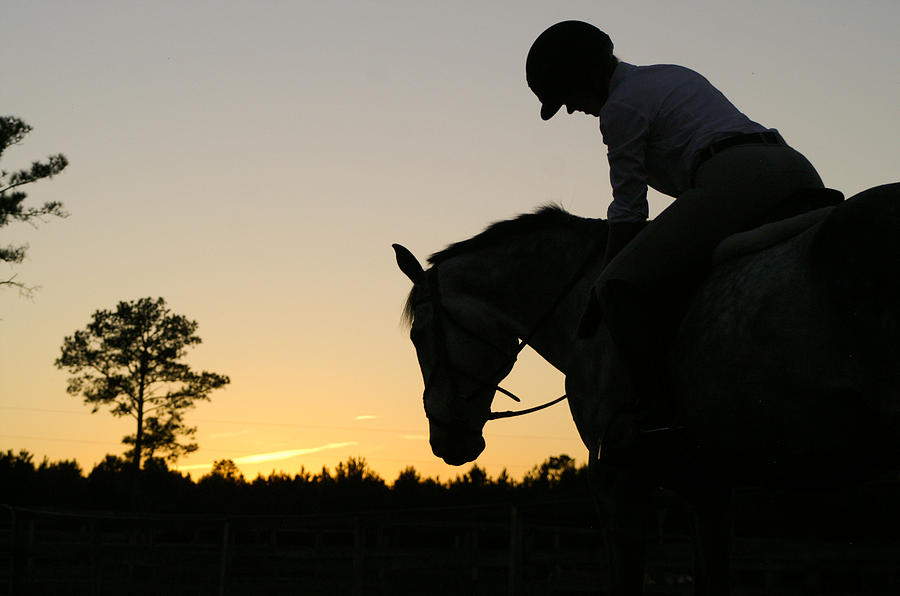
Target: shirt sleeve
[(625, 133)]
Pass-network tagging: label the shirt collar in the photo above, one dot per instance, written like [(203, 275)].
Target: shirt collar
[(623, 69)]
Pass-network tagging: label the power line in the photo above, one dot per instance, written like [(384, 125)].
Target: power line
[(80, 413), (294, 425), (29, 438)]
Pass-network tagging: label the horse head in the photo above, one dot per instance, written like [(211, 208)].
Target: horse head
[(463, 353)]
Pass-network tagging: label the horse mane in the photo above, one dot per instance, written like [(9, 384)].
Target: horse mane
[(547, 216)]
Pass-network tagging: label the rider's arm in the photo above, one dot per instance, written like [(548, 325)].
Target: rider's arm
[(625, 131), (620, 234)]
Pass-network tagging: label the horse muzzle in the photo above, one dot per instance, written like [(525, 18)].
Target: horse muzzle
[(455, 448)]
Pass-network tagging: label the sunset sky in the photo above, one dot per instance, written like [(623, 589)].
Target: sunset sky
[(252, 162)]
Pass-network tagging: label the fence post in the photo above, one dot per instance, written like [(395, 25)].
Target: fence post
[(359, 545), (223, 562), (474, 557), (95, 558), (381, 548), (132, 523), (29, 549), (15, 560), (515, 552)]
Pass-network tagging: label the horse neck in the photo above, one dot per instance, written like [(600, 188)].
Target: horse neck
[(520, 282)]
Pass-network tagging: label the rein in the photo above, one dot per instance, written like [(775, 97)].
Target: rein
[(441, 351)]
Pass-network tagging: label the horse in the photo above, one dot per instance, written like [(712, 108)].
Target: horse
[(781, 371)]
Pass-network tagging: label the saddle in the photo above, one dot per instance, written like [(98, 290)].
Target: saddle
[(799, 212)]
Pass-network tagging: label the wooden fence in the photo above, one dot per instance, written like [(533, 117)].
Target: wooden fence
[(451, 551), (435, 551)]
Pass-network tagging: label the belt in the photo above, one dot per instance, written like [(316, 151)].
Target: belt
[(753, 138)]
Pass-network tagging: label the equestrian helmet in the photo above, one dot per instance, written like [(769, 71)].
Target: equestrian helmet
[(559, 59)]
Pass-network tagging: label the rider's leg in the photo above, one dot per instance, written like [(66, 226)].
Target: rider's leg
[(735, 191)]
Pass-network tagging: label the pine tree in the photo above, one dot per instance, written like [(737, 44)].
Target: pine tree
[(12, 197), (129, 359)]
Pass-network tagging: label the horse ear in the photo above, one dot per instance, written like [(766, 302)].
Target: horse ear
[(409, 264)]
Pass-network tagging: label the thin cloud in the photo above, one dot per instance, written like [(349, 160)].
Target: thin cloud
[(275, 455), (366, 417), (228, 435)]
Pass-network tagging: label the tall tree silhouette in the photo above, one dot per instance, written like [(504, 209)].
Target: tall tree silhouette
[(129, 359), (12, 198)]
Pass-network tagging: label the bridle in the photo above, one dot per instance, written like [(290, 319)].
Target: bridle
[(441, 317)]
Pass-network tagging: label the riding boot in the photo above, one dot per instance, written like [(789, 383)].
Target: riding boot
[(641, 329), (646, 428)]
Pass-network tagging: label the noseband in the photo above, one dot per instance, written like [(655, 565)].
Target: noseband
[(440, 317)]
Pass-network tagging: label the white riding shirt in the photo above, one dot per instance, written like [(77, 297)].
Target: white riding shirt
[(655, 122)]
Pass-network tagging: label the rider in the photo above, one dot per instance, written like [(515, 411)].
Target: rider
[(667, 127)]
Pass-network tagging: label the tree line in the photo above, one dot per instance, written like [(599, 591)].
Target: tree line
[(351, 486)]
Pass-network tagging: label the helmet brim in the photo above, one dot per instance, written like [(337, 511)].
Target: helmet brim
[(549, 109)]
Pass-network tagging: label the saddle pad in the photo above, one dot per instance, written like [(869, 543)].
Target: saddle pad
[(744, 243)]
